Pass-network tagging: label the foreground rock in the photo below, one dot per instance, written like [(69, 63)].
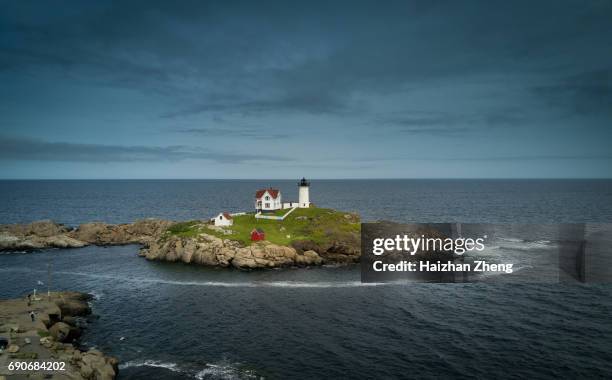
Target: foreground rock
[(50, 337), (48, 234)]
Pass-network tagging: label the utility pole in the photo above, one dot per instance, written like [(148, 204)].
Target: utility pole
[(49, 279)]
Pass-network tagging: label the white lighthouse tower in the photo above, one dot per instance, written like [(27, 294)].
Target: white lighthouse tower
[(304, 200)]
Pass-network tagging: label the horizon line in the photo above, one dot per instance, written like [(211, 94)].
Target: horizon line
[(315, 179)]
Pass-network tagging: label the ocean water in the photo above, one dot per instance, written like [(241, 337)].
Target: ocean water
[(165, 320), (475, 201)]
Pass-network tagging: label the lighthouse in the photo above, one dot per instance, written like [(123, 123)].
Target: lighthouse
[(304, 197)]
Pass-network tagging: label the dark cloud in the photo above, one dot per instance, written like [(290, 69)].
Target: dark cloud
[(584, 94), (517, 157), (537, 157), (426, 123), (449, 131), (274, 57), (447, 124), (251, 133), (25, 149), (315, 103)]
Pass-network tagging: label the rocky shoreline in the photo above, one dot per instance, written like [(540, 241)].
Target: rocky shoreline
[(48, 234), (213, 251), (49, 337), (157, 244)]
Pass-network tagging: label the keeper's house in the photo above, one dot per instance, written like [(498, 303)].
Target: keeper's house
[(268, 200)]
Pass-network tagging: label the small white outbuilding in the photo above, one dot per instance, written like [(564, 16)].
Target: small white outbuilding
[(223, 219)]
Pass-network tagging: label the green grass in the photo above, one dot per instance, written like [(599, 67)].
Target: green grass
[(276, 212), (316, 224), (43, 333), (185, 229)]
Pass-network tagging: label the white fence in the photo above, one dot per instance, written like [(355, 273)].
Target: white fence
[(274, 217)]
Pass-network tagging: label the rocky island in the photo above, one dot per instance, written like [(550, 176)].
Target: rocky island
[(48, 338), (309, 236)]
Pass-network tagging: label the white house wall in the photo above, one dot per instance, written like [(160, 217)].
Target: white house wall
[(273, 204), (222, 221)]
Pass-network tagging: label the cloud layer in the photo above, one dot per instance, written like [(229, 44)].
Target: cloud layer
[(22, 149), (299, 83)]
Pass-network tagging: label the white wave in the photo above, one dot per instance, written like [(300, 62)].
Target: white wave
[(262, 284), (510, 249), (510, 239), (225, 371), (271, 284), (96, 296), (150, 363), (523, 245), (13, 252), (253, 284), (334, 265)]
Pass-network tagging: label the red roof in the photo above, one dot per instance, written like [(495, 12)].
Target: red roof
[(273, 193), (227, 215)]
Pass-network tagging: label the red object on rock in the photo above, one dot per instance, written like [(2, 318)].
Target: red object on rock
[(258, 234)]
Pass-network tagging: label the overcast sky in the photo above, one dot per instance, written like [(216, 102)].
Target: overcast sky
[(254, 89)]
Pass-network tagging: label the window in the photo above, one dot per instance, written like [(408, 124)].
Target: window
[(267, 198), (267, 205)]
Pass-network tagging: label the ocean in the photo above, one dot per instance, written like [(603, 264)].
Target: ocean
[(170, 320)]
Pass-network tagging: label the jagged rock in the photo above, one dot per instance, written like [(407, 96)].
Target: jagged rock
[(63, 241), (103, 368), (9, 242), (42, 228), (213, 251), (139, 232), (46, 341), (71, 307), (63, 332), (306, 245), (8, 239), (86, 371), (47, 234), (13, 348), (36, 235), (310, 258), (69, 320)]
